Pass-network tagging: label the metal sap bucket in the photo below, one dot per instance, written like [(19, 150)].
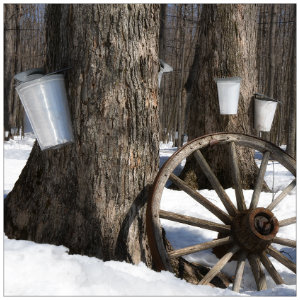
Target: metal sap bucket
[(264, 112), (228, 94), (164, 68), (45, 102)]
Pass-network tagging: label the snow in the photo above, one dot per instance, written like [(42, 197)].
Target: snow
[(16, 153), (32, 269), (49, 270)]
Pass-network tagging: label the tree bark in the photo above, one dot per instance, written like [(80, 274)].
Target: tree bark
[(90, 196), (226, 48)]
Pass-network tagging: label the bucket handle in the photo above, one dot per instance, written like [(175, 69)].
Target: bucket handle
[(59, 71)]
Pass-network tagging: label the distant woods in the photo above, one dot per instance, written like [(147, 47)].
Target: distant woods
[(24, 48), (275, 63)]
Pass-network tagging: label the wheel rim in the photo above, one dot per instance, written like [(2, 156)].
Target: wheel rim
[(229, 235)]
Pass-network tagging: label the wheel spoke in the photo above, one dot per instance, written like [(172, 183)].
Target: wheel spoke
[(260, 180), (200, 247), (220, 264), (285, 242), (282, 259), (259, 275), (215, 183), (237, 178), (239, 272), (200, 199), (288, 221), (271, 269), (282, 195), (194, 221)]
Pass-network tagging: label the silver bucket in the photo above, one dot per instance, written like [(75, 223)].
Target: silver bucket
[(264, 112), (164, 68), (45, 102), (228, 94)]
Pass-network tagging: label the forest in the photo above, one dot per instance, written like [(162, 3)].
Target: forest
[(142, 84), (178, 40)]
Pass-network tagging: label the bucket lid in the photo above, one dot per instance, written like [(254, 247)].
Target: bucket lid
[(38, 81), (228, 79), (33, 74), (164, 67), (259, 96), (28, 75)]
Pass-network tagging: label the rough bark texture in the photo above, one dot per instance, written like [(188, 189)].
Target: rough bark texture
[(226, 48), (90, 196)]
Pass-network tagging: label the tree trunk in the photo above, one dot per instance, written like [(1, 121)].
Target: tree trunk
[(162, 31), (90, 196), (181, 78), (291, 138), (272, 40), (226, 48), (162, 52), (271, 67)]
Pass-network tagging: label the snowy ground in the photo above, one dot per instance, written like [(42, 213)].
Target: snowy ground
[(32, 269)]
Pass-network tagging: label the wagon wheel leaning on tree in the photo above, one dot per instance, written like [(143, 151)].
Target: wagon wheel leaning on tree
[(246, 232)]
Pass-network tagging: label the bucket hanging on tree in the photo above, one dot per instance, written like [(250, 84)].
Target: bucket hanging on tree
[(264, 112), (45, 102), (228, 94), (164, 68)]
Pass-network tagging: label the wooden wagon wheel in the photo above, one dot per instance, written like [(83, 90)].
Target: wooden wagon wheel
[(240, 232)]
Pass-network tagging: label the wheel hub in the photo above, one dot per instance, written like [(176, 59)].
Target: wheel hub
[(254, 230)]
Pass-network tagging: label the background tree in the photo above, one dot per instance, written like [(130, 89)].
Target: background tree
[(276, 66), (90, 196), (292, 107), (12, 13), (24, 42), (274, 60), (179, 20), (274, 63), (226, 48)]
